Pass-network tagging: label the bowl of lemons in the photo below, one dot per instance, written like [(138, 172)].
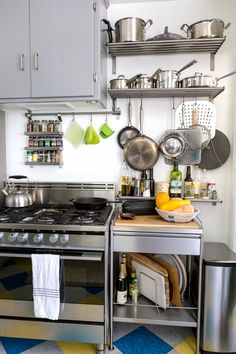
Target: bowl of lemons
[(175, 210)]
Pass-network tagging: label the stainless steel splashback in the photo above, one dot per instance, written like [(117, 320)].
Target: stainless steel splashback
[(62, 193)]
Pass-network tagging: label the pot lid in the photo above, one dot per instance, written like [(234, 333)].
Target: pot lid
[(210, 20), (130, 18)]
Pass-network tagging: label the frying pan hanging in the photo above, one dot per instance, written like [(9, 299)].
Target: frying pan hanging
[(141, 152), (216, 153), (129, 131)]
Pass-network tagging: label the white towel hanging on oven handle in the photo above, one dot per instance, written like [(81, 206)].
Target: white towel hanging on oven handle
[(46, 285)]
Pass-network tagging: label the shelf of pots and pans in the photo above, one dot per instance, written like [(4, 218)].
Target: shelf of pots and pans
[(212, 28)]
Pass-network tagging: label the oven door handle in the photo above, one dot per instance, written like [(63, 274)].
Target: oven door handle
[(84, 256)]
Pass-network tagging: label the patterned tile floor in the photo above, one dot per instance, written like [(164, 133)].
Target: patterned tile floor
[(128, 339)]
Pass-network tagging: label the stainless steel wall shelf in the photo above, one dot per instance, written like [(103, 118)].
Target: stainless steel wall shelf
[(208, 45), (163, 92)]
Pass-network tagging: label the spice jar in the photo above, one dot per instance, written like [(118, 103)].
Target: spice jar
[(29, 127), (50, 126), (44, 126), (57, 126), (36, 126), (35, 156), (29, 156)]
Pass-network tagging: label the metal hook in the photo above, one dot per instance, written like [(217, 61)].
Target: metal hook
[(59, 117), (106, 119), (73, 119), (91, 118)]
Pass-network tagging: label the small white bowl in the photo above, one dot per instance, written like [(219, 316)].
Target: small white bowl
[(177, 217)]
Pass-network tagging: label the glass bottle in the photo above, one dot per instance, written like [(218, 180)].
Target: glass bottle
[(188, 184), (133, 286), (121, 294), (125, 180), (152, 183), (175, 188), (196, 182), (142, 183), (203, 185)]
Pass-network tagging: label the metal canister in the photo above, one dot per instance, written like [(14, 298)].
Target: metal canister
[(137, 187)]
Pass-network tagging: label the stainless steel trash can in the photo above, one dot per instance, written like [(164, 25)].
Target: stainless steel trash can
[(218, 324)]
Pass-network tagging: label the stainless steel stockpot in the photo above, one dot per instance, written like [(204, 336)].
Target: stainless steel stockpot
[(131, 29), (213, 28)]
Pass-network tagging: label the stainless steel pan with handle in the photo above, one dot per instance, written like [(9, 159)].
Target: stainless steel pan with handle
[(141, 152), (129, 131), (200, 80)]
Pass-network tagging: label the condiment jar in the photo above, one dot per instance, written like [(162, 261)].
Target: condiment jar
[(44, 126), (57, 126), (29, 127), (50, 126)]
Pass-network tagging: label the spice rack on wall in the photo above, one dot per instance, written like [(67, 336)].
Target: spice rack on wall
[(45, 142)]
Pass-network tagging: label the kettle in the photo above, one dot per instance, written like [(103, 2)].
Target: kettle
[(16, 196)]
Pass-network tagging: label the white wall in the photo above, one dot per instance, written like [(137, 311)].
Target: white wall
[(102, 162)]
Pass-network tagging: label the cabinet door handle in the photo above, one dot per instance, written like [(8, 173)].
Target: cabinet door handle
[(36, 61), (22, 61)]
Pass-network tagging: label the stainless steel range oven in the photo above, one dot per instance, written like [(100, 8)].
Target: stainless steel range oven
[(52, 225)]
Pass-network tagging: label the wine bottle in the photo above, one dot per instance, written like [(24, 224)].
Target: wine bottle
[(196, 183), (125, 180), (133, 286), (175, 189), (188, 184), (121, 295)]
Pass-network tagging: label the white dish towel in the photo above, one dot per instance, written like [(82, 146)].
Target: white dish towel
[(46, 285)]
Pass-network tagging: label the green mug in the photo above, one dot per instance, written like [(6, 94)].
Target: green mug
[(106, 131)]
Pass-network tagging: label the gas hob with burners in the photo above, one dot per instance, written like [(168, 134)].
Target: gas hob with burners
[(57, 225)]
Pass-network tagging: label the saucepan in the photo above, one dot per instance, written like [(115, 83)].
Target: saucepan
[(169, 78), (200, 80), (91, 203)]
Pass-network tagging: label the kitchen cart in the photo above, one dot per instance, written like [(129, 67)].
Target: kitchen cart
[(151, 234)]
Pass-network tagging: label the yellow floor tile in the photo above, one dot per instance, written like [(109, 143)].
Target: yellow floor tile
[(187, 347), (77, 348)]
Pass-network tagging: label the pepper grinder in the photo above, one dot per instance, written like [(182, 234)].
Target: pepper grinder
[(151, 183)]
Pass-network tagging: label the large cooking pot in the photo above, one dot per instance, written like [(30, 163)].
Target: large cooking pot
[(131, 29), (168, 78), (16, 196), (213, 28), (141, 152), (200, 80)]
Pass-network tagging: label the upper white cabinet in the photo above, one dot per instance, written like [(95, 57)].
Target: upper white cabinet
[(15, 49), (50, 48)]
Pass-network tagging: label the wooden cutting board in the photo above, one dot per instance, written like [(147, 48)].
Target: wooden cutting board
[(155, 221)]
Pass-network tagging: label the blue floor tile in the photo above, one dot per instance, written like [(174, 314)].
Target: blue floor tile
[(18, 345), (142, 341)]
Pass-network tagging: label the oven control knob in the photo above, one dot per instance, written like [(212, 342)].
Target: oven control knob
[(64, 238), (23, 237), (1, 235), (12, 237), (38, 238), (53, 238)]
